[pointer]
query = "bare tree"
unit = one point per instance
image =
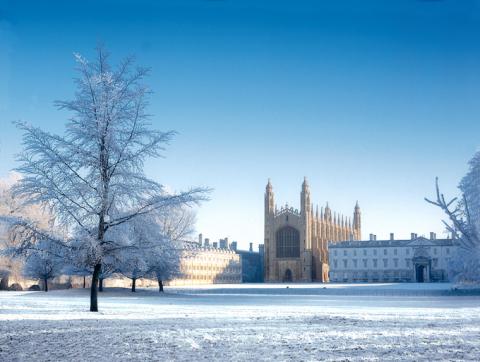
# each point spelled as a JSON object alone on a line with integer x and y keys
{"x": 92, "y": 176}
{"x": 464, "y": 223}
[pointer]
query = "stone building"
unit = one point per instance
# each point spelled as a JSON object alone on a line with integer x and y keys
{"x": 416, "y": 260}
{"x": 296, "y": 242}
{"x": 252, "y": 263}
{"x": 203, "y": 264}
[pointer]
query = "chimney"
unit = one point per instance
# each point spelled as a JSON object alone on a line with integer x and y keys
{"x": 392, "y": 236}
{"x": 227, "y": 244}
{"x": 200, "y": 239}
{"x": 223, "y": 244}
{"x": 207, "y": 242}
{"x": 251, "y": 247}
{"x": 233, "y": 246}
{"x": 433, "y": 236}
{"x": 371, "y": 237}
{"x": 413, "y": 236}
{"x": 375, "y": 237}
{"x": 215, "y": 244}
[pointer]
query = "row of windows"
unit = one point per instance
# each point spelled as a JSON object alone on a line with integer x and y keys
{"x": 195, "y": 269}
{"x": 382, "y": 276}
{"x": 372, "y": 275}
{"x": 209, "y": 260}
{"x": 211, "y": 278}
{"x": 375, "y": 263}
{"x": 385, "y": 252}
{"x": 208, "y": 266}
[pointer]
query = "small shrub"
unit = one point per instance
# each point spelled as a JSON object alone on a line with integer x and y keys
{"x": 15, "y": 287}
{"x": 35, "y": 288}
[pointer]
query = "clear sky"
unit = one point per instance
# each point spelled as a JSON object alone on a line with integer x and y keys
{"x": 368, "y": 99}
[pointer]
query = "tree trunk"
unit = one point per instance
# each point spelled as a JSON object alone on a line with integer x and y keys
{"x": 84, "y": 281}
{"x": 160, "y": 285}
{"x": 4, "y": 282}
{"x": 93, "y": 288}
{"x": 45, "y": 286}
{"x": 97, "y": 282}
{"x": 133, "y": 285}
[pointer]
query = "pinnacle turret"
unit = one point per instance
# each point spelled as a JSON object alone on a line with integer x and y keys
{"x": 305, "y": 181}
{"x": 269, "y": 199}
{"x": 269, "y": 185}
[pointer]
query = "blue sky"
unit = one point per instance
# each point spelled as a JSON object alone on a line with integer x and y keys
{"x": 368, "y": 99}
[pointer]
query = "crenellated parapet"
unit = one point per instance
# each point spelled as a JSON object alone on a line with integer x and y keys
{"x": 286, "y": 209}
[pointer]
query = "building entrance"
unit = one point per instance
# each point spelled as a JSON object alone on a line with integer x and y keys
{"x": 419, "y": 273}
{"x": 288, "y": 276}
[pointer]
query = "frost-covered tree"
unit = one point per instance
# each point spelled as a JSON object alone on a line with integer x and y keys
{"x": 134, "y": 266}
{"x": 109, "y": 269}
{"x": 42, "y": 251}
{"x": 176, "y": 224}
{"x": 470, "y": 187}
{"x": 73, "y": 270}
{"x": 164, "y": 261}
{"x": 11, "y": 208}
{"x": 45, "y": 262}
{"x": 92, "y": 176}
{"x": 145, "y": 233}
{"x": 464, "y": 223}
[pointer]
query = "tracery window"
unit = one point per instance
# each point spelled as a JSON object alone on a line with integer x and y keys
{"x": 288, "y": 242}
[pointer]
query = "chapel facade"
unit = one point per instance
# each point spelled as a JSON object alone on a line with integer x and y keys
{"x": 296, "y": 241}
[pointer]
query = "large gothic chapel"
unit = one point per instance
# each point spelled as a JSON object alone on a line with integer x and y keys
{"x": 296, "y": 242}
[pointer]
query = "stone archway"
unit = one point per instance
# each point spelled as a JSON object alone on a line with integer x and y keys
{"x": 288, "y": 276}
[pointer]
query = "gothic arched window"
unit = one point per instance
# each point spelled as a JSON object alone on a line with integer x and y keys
{"x": 288, "y": 242}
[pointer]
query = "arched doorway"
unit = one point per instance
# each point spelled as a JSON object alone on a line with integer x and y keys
{"x": 288, "y": 276}
{"x": 419, "y": 273}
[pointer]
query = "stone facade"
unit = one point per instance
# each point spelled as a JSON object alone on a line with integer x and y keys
{"x": 208, "y": 265}
{"x": 416, "y": 260}
{"x": 252, "y": 264}
{"x": 296, "y": 242}
{"x": 198, "y": 265}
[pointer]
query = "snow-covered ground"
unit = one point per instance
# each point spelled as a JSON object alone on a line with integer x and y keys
{"x": 243, "y": 322}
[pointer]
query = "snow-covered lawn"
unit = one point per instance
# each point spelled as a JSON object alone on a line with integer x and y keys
{"x": 243, "y": 322}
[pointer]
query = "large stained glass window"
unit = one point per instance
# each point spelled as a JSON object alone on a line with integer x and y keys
{"x": 288, "y": 242}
